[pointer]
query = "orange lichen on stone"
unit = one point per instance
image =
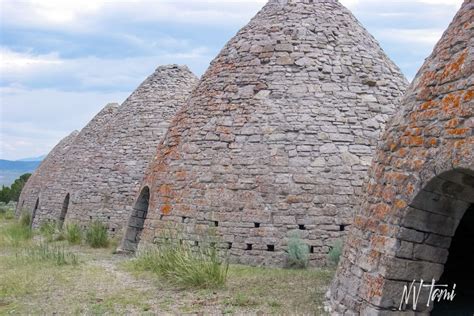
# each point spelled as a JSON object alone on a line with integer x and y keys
{"x": 400, "y": 204}
{"x": 395, "y": 177}
{"x": 450, "y": 101}
{"x": 166, "y": 209}
{"x": 381, "y": 210}
{"x": 165, "y": 190}
{"x": 469, "y": 95}
{"x": 409, "y": 189}
{"x": 452, "y": 123}
{"x": 429, "y": 104}
{"x": 412, "y": 141}
{"x": 458, "y": 131}
{"x": 454, "y": 67}
{"x": 431, "y": 142}
{"x": 374, "y": 285}
{"x": 426, "y": 78}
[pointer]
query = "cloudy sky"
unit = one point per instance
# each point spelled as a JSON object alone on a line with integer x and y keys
{"x": 61, "y": 61}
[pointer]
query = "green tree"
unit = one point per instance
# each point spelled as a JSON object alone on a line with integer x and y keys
{"x": 12, "y": 193}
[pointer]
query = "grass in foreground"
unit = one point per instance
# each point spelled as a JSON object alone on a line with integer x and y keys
{"x": 184, "y": 265}
{"x": 103, "y": 283}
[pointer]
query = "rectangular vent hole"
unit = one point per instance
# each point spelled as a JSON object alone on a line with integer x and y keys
{"x": 256, "y": 225}
{"x": 249, "y": 247}
{"x": 301, "y": 227}
{"x": 270, "y": 247}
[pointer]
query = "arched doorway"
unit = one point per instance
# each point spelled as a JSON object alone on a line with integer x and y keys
{"x": 33, "y": 214}
{"x": 136, "y": 221}
{"x": 458, "y": 270}
{"x": 64, "y": 209}
{"x": 437, "y": 242}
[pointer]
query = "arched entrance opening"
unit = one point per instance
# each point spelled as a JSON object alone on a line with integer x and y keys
{"x": 459, "y": 270}
{"x": 136, "y": 221}
{"x": 437, "y": 242}
{"x": 33, "y": 214}
{"x": 64, "y": 209}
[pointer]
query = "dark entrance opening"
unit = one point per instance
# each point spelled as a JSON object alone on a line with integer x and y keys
{"x": 136, "y": 222}
{"x": 33, "y": 214}
{"x": 459, "y": 270}
{"x": 62, "y": 216}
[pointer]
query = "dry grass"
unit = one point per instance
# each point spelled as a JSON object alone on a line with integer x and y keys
{"x": 103, "y": 283}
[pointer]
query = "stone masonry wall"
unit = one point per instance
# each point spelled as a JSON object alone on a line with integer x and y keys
{"x": 420, "y": 185}
{"x": 47, "y": 170}
{"x": 278, "y": 135}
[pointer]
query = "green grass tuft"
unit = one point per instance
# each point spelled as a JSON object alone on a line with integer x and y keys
{"x": 48, "y": 229}
{"x": 44, "y": 252}
{"x": 97, "y": 236}
{"x": 185, "y": 265}
{"x": 73, "y": 234}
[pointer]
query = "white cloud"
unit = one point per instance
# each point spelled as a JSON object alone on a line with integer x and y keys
{"x": 92, "y": 72}
{"x": 15, "y": 63}
{"x": 33, "y": 121}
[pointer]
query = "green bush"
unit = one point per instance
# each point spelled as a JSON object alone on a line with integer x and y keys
{"x": 334, "y": 254}
{"x": 97, "y": 236}
{"x": 297, "y": 253}
{"x": 185, "y": 265}
{"x": 73, "y": 234}
{"x": 47, "y": 253}
{"x": 6, "y": 212}
{"x": 48, "y": 229}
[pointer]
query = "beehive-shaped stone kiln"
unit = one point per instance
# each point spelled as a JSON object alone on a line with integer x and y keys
{"x": 276, "y": 138}
{"x": 416, "y": 219}
{"x": 102, "y": 170}
{"x": 30, "y": 195}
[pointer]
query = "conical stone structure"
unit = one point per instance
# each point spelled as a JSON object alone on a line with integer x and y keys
{"x": 30, "y": 198}
{"x": 276, "y": 138}
{"x": 415, "y": 220}
{"x": 55, "y": 189}
{"x": 103, "y": 169}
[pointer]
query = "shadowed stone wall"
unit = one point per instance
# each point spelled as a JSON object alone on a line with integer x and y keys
{"x": 278, "y": 135}
{"x": 420, "y": 185}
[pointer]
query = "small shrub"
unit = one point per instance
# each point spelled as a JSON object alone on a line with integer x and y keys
{"x": 73, "y": 234}
{"x": 182, "y": 264}
{"x": 334, "y": 254}
{"x": 25, "y": 219}
{"x": 97, "y": 236}
{"x": 297, "y": 253}
{"x": 47, "y": 253}
{"x": 7, "y": 213}
{"x": 48, "y": 230}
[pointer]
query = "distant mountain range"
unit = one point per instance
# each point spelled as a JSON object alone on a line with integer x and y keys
{"x": 11, "y": 170}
